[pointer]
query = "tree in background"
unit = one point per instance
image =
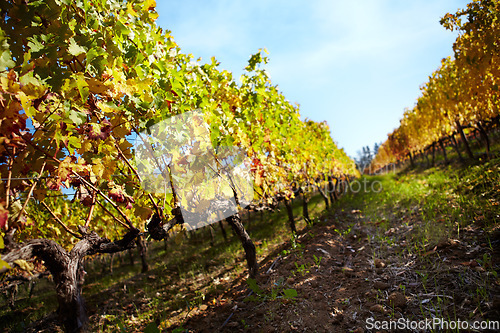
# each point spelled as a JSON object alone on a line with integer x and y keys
{"x": 365, "y": 157}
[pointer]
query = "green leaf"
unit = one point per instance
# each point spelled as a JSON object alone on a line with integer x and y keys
{"x": 6, "y": 60}
{"x": 290, "y": 293}
{"x": 152, "y": 328}
{"x": 4, "y": 264}
{"x": 15, "y": 209}
{"x": 91, "y": 54}
{"x": 35, "y": 45}
{"x": 252, "y": 284}
{"x": 75, "y": 49}
{"x": 76, "y": 117}
{"x": 5, "y": 57}
{"x": 83, "y": 87}
{"x": 179, "y": 330}
{"x": 73, "y": 142}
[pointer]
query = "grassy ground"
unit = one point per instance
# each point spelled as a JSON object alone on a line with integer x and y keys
{"x": 430, "y": 236}
{"x": 425, "y": 246}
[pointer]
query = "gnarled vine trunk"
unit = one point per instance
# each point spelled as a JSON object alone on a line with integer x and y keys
{"x": 484, "y": 135}
{"x": 224, "y": 234}
{"x": 464, "y": 140}
{"x": 433, "y": 153}
{"x": 143, "y": 251}
{"x": 332, "y": 189}
{"x": 235, "y": 222}
{"x": 457, "y": 148}
{"x": 67, "y": 270}
{"x": 289, "y": 211}
{"x": 323, "y": 195}
{"x": 305, "y": 209}
{"x": 443, "y": 149}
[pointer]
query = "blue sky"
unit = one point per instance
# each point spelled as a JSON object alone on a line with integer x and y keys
{"x": 356, "y": 64}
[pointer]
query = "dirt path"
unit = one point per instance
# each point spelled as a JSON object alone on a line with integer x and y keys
{"x": 344, "y": 278}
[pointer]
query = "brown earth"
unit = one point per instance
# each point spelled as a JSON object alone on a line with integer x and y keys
{"x": 357, "y": 278}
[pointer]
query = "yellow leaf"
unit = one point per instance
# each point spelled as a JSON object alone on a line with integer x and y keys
{"x": 33, "y": 88}
{"x": 142, "y": 212}
{"x": 125, "y": 148}
{"x": 96, "y": 86}
{"x": 98, "y": 168}
{"x": 178, "y": 238}
{"x": 4, "y": 264}
{"x": 25, "y": 101}
{"x": 85, "y": 147}
{"x": 24, "y": 265}
{"x": 107, "y": 109}
{"x": 150, "y": 4}
{"x": 184, "y": 202}
{"x": 109, "y": 166}
{"x": 258, "y": 180}
{"x": 130, "y": 9}
{"x": 121, "y": 131}
{"x": 179, "y": 234}
{"x": 40, "y": 194}
{"x": 177, "y": 228}
{"x": 9, "y": 85}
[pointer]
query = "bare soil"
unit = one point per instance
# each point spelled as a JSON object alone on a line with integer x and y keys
{"x": 359, "y": 278}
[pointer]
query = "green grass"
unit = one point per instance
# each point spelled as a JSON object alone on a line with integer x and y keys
{"x": 444, "y": 199}
{"x": 419, "y": 211}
